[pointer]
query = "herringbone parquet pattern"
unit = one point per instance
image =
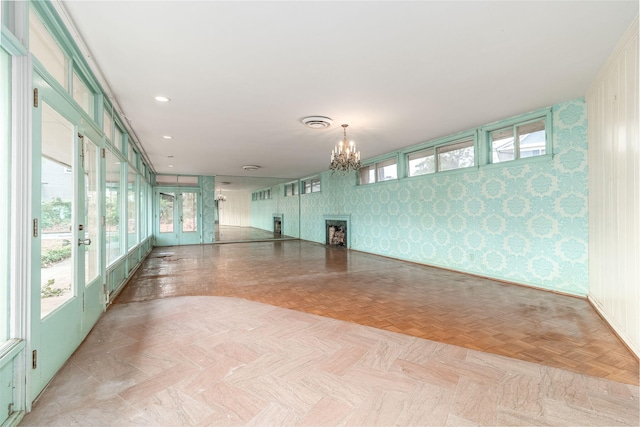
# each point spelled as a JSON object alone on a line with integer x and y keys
{"x": 431, "y": 303}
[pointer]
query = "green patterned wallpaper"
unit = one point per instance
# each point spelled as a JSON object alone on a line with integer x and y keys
{"x": 524, "y": 222}
{"x": 208, "y": 208}
{"x": 262, "y": 212}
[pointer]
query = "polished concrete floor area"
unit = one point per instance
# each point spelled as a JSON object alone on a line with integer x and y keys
{"x": 296, "y": 333}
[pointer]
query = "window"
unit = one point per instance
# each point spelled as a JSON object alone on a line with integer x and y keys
{"x": 107, "y": 123}
{"x": 112, "y": 206}
{"x": 132, "y": 235}
{"x": 385, "y": 170}
{"x": 422, "y": 162}
{"x": 456, "y": 155}
{"x": 5, "y": 138}
{"x": 133, "y": 155}
{"x": 291, "y": 189}
{"x": 518, "y": 141}
{"x": 311, "y": 185}
{"x": 118, "y": 139}
{"x": 44, "y": 47}
{"x": 82, "y": 94}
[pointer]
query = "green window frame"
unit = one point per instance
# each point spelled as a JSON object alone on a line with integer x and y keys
{"x": 380, "y": 171}
{"x": 520, "y": 138}
{"x": 311, "y": 185}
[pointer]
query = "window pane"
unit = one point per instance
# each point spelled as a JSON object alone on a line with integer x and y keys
{"x": 189, "y": 212}
{"x": 367, "y": 175}
{"x": 133, "y": 156}
{"x": 118, "y": 138}
{"x": 307, "y": 187}
{"x": 187, "y": 180}
{"x": 132, "y": 237}
{"x": 502, "y": 145}
{"x": 142, "y": 209}
{"x": 315, "y": 185}
{"x": 48, "y": 52}
{"x": 107, "y": 123}
{"x": 532, "y": 138}
{"x": 167, "y": 179}
{"x": 167, "y": 202}
{"x": 455, "y": 156}
{"x": 387, "y": 170}
{"x": 92, "y": 214}
{"x": 422, "y": 162}
{"x": 5, "y": 137}
{"x": 82, "y": 95}
{"x": 56, "y": 211}
{"x": 112, "y": 207}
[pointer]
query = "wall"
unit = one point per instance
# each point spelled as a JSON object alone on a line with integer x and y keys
{"x": 236, "y": 210}
{"x": 262, "y": 212}
{"x": 614, "y": 191}
{"x": 525, "y": 222}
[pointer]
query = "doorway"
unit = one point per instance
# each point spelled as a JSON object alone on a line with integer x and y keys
{"x": 179, "y": 221}
{"x": 66, "y": 285}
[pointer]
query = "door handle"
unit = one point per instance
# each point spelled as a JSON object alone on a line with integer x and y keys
{"x": 180, "y": 218}
{"x": 84, "y": 242}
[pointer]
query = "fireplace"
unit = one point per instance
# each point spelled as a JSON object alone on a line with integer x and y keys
{"x": 277, "y": 225}
{"x": 337, "y": 230}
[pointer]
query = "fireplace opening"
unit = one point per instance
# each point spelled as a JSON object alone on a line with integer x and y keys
{"x": 336, "y": 232}
{"x": 277, "y": 225}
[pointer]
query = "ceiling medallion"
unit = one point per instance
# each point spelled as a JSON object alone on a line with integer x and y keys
{"x": 345, "y": 156}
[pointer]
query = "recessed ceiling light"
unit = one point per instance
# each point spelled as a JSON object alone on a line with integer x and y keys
{"x": 225, "y": 183}
{"x": 251, "y": 167}
{"x": 161, "y": 98}
{"x": 170, "y": 166}
{"x": 167, "y": 136}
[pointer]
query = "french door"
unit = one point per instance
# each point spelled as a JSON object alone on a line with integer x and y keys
{"x": 66, "y": 285}
{"x": 178, "y": 218}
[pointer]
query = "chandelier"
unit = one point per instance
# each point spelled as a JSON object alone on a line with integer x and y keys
{"x": 345, "y": 156}
{"x": 220, "y": 198}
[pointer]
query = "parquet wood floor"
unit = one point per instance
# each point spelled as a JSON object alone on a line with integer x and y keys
{"x": 439, "y": 305}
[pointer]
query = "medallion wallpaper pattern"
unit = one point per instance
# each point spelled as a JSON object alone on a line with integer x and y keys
{"x": 524, "y": 222}
{"x": 207, "y": 184}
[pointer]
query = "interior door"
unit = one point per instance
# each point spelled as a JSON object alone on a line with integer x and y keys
{"x": 64, "y": 242}
{"x": 178, "y": 216}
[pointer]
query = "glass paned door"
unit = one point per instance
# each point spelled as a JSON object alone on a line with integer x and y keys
{"x": 178, "y": 217}
{"x": 189, "y": 218}
{"x": 57, "y": 205}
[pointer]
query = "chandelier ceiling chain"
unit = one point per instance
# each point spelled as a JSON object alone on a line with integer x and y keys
{"x": 345, "y": 156}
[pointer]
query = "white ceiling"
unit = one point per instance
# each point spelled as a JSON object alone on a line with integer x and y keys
{"x": 241, "y": 75}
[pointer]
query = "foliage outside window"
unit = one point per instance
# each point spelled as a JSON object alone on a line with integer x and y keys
{"x": 112, "y": 207}
{"x": 311, "y": 185}
{"x": 378, "y": 172}
{"x": 456, "y": 155}
{"x": 422, "y": 162}
{"x": 132, "y": 235}
{"x": 518, "y": 141}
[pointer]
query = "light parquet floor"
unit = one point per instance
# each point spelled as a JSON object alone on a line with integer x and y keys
{"x": 435, "y": 304}
{"x": 219, "y": 361}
